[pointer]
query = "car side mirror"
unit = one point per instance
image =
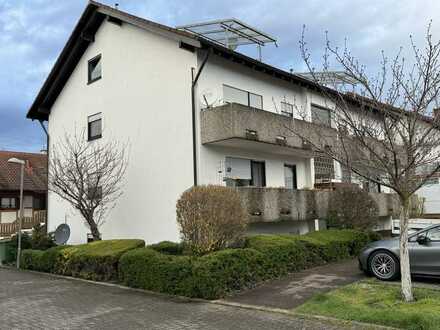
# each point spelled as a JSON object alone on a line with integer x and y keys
{"x": 422, "y": 240}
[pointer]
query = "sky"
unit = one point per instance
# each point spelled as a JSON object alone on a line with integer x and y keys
{"x": 33, "y": 33}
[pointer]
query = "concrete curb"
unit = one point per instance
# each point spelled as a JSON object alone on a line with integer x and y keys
{"x": 302, "y": 316}
{"x": 182, "y": 299}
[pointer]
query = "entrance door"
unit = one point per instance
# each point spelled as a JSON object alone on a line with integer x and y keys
{"x": 290, "y": 177}
{"x": 258, "y": 174}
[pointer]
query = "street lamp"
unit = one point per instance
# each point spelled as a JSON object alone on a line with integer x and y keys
{"x": 21, "y": 163}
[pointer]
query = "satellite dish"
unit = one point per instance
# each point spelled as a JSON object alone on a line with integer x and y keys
{"x": 62, "y": 234}
{"x": 208, "y": 97}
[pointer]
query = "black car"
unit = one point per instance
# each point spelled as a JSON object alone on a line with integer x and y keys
{"x": 381, "y": 258}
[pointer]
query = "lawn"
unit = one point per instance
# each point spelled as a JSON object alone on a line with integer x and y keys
{"x": 378, "y": 303}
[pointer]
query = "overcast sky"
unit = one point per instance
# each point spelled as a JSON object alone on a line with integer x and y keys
{"x": 33, "y": 32}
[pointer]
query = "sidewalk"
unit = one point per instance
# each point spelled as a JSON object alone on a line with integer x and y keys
{"x": 295, "y": 289}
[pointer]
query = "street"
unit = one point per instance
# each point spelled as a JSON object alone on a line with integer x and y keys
{"x": 39, "y": 301}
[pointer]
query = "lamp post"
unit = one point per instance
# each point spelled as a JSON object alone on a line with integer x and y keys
{"x": 21, "y": 163}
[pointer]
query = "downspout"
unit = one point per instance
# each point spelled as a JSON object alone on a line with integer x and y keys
{"x": 47, "y": 174}
{"x": 193, "y": 104}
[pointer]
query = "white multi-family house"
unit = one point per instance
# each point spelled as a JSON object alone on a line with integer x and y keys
{"x": 194, "y": 111}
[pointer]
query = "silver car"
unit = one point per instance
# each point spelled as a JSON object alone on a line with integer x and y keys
{"x": 381, "y": 258}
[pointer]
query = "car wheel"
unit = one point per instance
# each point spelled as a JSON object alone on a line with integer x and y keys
{"x": 384, "y": 265}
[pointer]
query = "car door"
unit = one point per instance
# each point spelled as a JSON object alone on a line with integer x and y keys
{"x": 425, "y": 257}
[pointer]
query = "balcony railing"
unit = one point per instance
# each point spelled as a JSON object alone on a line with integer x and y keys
{"x": 280, "y": 204}
{"x": 242, "y": 123}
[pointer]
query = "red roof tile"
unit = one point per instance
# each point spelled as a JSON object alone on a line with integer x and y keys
{"x": 35, "y": 171}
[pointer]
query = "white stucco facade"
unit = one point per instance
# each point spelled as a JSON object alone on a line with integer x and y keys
{"x": 144, "y": 98}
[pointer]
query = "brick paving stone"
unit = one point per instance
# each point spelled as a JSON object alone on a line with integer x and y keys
{"x": 40, "y": 301}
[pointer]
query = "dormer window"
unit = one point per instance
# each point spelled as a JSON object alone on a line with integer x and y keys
{"x": 94, "y": 72}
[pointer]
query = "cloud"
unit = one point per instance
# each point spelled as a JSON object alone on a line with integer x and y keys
{"x": 32, "y": 33}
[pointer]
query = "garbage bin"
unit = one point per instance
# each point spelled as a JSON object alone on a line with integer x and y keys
{"x": 5, "y": 250}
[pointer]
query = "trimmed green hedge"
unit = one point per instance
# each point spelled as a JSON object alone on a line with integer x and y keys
{"x": 151, "y": 270}
{"x": 164, "y": 268}
{"x": 95, "y": 261}
{"x": 216, "y": 274}
{"x": 168, "y": 247}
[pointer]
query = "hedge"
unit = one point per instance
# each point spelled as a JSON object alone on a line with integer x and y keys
{"x": 168, "y": 247}
{"x": 151, "y": 270}
{"x": 216, "y": 274}
{"x": 164, "y": 268}
{"x": 96, "y": 261}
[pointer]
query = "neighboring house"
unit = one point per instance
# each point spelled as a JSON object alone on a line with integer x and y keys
{"x": 193, "y": 111}
{"x": 34, "y": 185}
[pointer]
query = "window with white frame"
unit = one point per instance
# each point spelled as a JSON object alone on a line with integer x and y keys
{"x": 94, "y": 126}
{"x": 236, "y": 95}
{"x": 94, "y": 69}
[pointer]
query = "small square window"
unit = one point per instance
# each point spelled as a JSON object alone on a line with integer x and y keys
{"x": 94, "y": 72}
{"x": 94, "y": 127}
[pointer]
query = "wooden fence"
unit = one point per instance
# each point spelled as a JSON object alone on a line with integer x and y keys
{"x": 8, "y": 229}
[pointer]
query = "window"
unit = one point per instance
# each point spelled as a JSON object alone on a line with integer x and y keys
{"x": 321, "y": 115}
{"x": 434, "y": 234}
{"x": 235, "y": 95}
{"x": 8, "y": 203}
{"x": 290, "y": 176}
{"x": 94, "y": 127}
{"x": 287, "y": 109}
{"x": 94, "y": 71}
{"x": 244, "y": 172}
{"x": 258, "y": 174}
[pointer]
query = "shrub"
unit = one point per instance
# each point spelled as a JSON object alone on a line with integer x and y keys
{"x": 148, "y": 269}
{"x": 168, "y": 247}
{"x": 210, "y": 218}
{"x": 284, "y": 253}
{"x": 13, "y": 244}
{"x": 40, "y": 240}
{"x": 352, "y": 208}
{"x": 333, "y": 245}
{"x": 220, "y": 272}
{"x": 96, "y": 261}
{"x": 31, "y": 259}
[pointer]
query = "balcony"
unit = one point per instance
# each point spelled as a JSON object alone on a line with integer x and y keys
{"x": 280, "y": 204}
{"x": 236, "y": 125}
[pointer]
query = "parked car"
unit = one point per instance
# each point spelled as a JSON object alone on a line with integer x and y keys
{"x": 381, "y": 258}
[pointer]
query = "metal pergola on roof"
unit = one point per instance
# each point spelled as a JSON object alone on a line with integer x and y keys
{"x": 230, "y": 33}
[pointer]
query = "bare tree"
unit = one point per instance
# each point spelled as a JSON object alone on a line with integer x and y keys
{"x": 384, "y": 128}
{"x": 88, "y": 175}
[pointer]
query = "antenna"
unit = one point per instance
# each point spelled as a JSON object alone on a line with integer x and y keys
{"x": 62, "y": 234}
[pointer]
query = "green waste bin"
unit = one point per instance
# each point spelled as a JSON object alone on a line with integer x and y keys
{"x": 5, "y": 251}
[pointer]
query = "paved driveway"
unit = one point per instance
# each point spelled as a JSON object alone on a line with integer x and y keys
{"x": 293, "y": 290}
{"x": 40, "y": 301}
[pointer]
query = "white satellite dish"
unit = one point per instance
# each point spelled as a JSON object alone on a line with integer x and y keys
{"x": 208, "y": 98}
{"x": 62, "y": 234}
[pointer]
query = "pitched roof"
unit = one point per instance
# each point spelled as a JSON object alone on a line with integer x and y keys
{"x": 35, "y": 172}
{"x": 84, "y": 32}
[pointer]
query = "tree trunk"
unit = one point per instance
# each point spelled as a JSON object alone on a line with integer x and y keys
{"x": 94, "y": 230}
{"x": 407, "y": 293}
